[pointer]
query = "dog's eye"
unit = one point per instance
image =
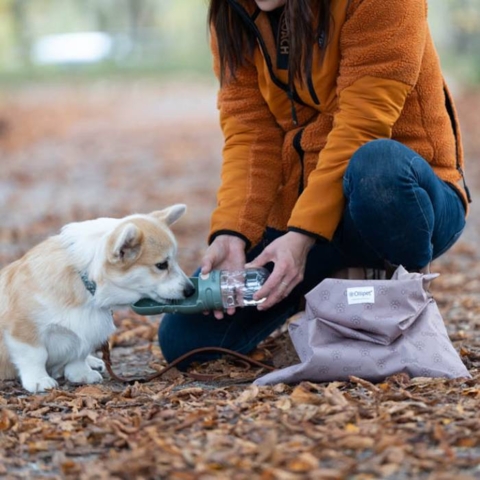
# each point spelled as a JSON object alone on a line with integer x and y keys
{"x": 162, "y": 265}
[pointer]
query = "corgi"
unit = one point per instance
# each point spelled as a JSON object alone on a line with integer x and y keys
{"x": 56, "y": 301}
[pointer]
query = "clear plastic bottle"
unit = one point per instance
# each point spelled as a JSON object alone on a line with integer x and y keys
{"x": 239, "y": 287}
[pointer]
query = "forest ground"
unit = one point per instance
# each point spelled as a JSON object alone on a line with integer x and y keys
{"x": 79, "y": 151}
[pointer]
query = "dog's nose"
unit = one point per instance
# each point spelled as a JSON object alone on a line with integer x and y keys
{"x": 189, "y": 290}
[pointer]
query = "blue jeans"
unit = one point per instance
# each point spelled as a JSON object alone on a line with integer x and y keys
{"x": 397, "y": 211}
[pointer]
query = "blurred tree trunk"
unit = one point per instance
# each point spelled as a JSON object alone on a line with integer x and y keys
{"x": 134, "y": 18}
{"x": 141, "y": 16}
{"x": 101, "y": 17}
{"x": 21, "y": 27}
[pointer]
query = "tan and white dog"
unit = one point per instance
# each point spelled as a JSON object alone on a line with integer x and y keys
{"x": 56, "y": 301}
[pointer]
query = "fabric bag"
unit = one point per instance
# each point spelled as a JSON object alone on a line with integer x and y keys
{"x": 370, "y": 329}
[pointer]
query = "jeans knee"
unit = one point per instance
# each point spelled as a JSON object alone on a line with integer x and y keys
{"x": 377, "y": 168}
{"x": 377, "y": 157}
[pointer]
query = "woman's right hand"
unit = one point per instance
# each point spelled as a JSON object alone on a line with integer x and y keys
{"x": 226, "y": 252}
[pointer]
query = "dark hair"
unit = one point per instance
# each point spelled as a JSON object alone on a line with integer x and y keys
{"x": 307, "y": 21}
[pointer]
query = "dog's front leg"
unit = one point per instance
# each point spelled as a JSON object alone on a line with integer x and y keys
{"x": 30, "y": 362}
{"x": 79, "y": 371}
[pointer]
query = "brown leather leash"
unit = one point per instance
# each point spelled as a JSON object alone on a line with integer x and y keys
{"x": 197, "y": 376}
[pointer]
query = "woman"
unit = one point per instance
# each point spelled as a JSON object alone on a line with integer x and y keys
{"x": 342, "y": 148}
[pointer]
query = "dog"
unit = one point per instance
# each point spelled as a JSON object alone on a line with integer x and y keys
{"x": 56, "y": 301}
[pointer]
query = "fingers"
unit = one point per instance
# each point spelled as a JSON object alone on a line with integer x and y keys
{"x": 219, "y": 314}
{"x": 225, "y": 253}
{"x": 206, "y": 266}
{"x": 209, "y": 259}
{"x": 212, "y": 257}
{"x": 278, "y": 285}
{"x": 289, "y": 266}
{"x": 275, "y": 290}
{"x": 288, "y": 254}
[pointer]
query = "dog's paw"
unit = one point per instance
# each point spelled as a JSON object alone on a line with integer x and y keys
{"x": 90, "y": 377}
{"x": 38, "y": 385}
{"x": 80, "y": 372}
{"x": 96, "y": 363}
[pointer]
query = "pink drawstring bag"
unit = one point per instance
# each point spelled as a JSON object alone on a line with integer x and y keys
{"x": 370, "y": 329}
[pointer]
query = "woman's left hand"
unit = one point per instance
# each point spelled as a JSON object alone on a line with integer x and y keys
{"x": 289, "y": 254}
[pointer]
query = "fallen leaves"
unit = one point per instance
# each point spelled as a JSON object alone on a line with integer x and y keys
{"x": 182, "y": 429}
{"x": 301, "y": 394}
{"x": 7, "y": 419}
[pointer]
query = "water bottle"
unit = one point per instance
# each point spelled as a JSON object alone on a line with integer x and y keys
{"x": 238, "y": 287}
{"x": 216, "y": 290}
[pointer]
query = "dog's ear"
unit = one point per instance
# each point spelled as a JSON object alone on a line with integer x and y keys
{"x": 171, "y": 214}
{"x": 126, "y": 244}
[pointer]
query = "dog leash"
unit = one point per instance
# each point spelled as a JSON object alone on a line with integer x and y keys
{"x": 197, "y": 376}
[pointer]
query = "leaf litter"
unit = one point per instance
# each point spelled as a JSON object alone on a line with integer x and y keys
{"x": 110, "y": 150}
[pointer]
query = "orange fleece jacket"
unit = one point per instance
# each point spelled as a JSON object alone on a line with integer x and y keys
{"x": 380, "y": 78}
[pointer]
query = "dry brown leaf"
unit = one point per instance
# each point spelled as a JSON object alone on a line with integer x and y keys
{"x": 389, "y": 469}
{"x": 334, "y": 396}
{"x": 356, "y": 442}
{"x": 91, "y": 391}
{"x": 7, "y": 419}
{"x": 304, "y": 463}
{"x": 249, "y": 394}
{"x": 301, "y": 394}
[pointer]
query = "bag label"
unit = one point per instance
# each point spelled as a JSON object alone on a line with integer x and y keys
{"x": 360, "y": 295}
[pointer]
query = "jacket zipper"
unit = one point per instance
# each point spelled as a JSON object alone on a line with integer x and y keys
{"x": 297, "y": 145}
{"x": 291, "y": 93}
{"x": 293, "y": 109}
{"x": 312, "y": 91}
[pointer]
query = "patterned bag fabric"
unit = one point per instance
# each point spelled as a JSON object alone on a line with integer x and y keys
{"x": 370, "y": 329}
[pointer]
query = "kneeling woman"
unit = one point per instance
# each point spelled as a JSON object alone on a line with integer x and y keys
{"x": 342, "y": 149}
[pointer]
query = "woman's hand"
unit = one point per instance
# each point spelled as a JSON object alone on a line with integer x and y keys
{"x": 289, "y": 254}
{"x": 226, "y": 252}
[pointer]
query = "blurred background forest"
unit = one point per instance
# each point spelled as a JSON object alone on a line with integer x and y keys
{"x": 100, "y": 96}
{"x": 58, "y": 36}
{"x": 46, "y": 37}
